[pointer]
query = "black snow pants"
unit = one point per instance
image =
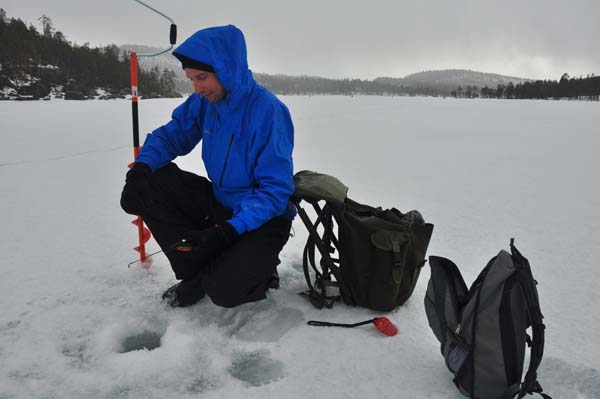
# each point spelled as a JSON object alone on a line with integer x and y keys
{"x": 183, "y": 201}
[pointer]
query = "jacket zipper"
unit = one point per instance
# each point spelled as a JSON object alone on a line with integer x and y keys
{"x": 226, "y": 158}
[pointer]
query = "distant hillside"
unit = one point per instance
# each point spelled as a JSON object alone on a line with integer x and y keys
{"x": 445, "y": 81}
{"x": 162, "y": 62}
{"x": 278, "y": 83}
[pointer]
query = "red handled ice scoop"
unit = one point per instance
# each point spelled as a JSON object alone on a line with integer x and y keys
{"x": 383, "y": 324}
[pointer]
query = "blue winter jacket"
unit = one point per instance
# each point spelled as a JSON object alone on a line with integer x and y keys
{"x": 247, "y": 138}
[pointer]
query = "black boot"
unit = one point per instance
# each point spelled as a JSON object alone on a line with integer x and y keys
{"x": 185, "y": 293}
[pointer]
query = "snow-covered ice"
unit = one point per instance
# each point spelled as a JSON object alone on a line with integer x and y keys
{"x": 75, "y": 322}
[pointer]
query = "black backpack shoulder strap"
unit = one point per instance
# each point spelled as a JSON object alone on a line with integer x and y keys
{"x": 530, "y": 384}
{"x": 324, "y": 215}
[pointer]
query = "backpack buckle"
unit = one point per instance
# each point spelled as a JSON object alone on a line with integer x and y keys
{"x": 318, "y": 300}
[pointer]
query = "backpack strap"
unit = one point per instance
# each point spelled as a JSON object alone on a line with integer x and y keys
{"x": 439, "y": 272}
{"x": 530, "y": 384}
{"x": 327, "y": 263}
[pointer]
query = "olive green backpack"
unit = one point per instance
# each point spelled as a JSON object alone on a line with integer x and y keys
{"x": 374, "y": 257}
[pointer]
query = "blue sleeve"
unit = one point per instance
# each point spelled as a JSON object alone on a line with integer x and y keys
{"x": 273, "y": 173}
{"x": 178, "y": 137}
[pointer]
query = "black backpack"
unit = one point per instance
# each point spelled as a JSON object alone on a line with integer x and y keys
{"x": 483, "y": 330}
{"x": 373, "y": 259}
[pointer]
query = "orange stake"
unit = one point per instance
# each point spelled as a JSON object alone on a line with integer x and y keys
{"x": 143, "y": 233}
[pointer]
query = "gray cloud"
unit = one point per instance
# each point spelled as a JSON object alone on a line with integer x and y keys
{"x": 335, "y": 38}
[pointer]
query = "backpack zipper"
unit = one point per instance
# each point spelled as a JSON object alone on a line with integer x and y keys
{"x": 226, "y": 159}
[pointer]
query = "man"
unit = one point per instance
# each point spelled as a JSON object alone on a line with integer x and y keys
{"x": 223, "y": 236}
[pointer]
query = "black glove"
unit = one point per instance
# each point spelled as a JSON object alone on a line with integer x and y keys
{"x": 208, "y": 243}
{"x": 137, "y": 194}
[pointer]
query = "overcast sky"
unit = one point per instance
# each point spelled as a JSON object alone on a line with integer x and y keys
{"x": 356, "y": 39}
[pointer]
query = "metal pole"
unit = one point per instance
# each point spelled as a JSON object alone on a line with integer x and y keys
{"x": 172, "y": 32}
{"x": 143, "y": 232}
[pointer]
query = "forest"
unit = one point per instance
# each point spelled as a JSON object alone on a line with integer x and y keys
{"x": 568, "y": 88}
{"x": 41, "y": 65}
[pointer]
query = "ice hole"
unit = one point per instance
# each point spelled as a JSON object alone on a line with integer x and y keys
{"x": 147, "y": 340}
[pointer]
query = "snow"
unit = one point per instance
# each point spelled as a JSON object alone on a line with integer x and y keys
{"x": 481, "y": 170}
{"x": 8, "y": 91}
{"x": 56, "y": 93}
{"x": 47, "y": 66}
{"x": 25, "y": 80}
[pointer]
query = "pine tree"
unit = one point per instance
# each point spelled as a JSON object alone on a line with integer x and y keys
{"x": 47, "y": 27}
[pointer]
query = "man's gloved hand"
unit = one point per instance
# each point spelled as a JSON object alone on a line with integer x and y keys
{"x": 207, "y": 243}
{"x": 137, "y": 195}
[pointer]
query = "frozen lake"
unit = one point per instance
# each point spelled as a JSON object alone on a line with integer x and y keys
{"x": 481, "y": 171}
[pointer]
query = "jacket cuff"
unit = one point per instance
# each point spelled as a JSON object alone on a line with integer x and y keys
{"x": 142, "y": 167}
{"x": 147, "y": 161}
{"x": 239, "y": 225}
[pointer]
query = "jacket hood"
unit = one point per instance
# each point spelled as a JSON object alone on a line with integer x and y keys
{"x": 224, "y": 48}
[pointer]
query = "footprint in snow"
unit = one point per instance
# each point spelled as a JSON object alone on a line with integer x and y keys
{"x": 11, "y": 325}
{"x": 259, "y": 321}
{"x": 78, "y": 354}
{"x": 203, "y": 384}
{"x": 256, "y": 368}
